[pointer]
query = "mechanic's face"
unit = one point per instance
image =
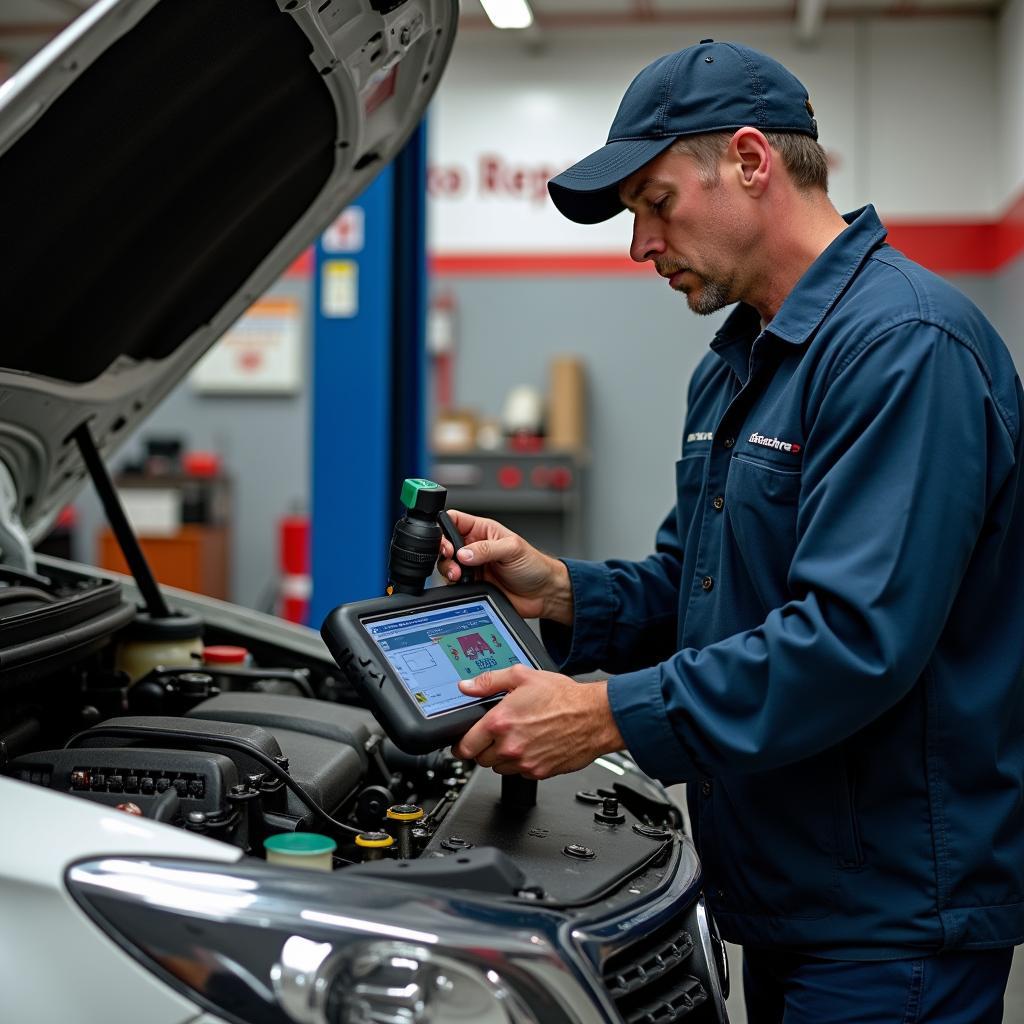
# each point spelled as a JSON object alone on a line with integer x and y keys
{"x": 691, "y": 231}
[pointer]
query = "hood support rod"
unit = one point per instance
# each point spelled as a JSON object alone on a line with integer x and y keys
{"x": 156, "y": 606}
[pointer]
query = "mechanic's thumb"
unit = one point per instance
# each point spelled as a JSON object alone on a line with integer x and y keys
{"x": 491, "y": 550}
{"x": 487, "y": 684}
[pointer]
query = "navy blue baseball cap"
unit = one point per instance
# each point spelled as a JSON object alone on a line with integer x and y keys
{"x": 711, "y": 87}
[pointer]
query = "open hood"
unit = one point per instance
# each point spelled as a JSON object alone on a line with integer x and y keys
{"x": 161, "y": 163}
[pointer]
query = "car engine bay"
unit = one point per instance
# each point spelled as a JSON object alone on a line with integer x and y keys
{"x": 240, "y": 753}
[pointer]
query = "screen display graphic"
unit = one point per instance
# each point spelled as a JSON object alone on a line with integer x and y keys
{"x": 433, "y": 650}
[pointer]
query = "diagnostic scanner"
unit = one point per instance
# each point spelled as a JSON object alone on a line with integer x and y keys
{"x": 405, "y": 654}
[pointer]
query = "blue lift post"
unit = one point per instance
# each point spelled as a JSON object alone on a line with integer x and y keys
{"x": 368, "y": 383}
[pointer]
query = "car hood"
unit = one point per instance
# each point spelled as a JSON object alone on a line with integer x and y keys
{"x": 161, "y": 163}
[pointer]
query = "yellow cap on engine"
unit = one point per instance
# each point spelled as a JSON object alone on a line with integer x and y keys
{"x": 374, "y": 840}
{"x": 405, "y": 812}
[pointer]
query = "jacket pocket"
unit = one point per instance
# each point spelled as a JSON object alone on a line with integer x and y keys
{"x": 762, "y": 501}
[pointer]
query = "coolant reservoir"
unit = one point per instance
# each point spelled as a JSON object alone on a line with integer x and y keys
{"x": 301, "y": 850}
{"x": 149, "y": 643}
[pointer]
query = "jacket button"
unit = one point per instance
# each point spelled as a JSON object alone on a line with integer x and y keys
{"x": 705, "y": 788}
{"x": 707, "y": 583}
{"x": 718, "y": 503}
{"x": 729, "y": 442}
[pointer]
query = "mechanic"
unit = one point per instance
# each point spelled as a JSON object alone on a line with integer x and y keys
{"x": 827, "y": 642}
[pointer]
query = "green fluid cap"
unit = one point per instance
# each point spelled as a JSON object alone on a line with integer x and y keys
{"x": 300, "y": 844}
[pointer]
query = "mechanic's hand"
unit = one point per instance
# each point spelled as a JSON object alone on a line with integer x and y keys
{"x": 547, "y": 724}
{"x": 536, "y": 584}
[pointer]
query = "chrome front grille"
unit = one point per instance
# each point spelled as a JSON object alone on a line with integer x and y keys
{"x": 649, "y": 981}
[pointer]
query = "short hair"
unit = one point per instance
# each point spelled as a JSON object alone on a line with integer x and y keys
{"x": 803, "y": 157}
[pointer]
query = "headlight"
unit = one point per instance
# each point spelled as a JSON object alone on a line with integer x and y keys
{"x": 274, "y": 946}
{"x": 388, "y": 983}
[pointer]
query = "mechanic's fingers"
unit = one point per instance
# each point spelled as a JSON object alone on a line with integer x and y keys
{"x": 493, "y": 550}
{"x": 445, "y": 566}
{"x": 487, "y": 684}
{"x": 464, "y": 522}
{"x": 475, "y": 742}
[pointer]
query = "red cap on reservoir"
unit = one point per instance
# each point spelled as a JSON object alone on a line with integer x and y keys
{"x": 223, "y": 654}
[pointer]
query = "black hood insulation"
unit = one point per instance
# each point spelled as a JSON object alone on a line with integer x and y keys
{"x": 221, "y": 132}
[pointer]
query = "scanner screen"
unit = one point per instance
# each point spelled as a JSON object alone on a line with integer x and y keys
{"x": 431, "y": 651}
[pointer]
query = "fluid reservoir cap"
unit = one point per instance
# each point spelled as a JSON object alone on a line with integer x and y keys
{"x": 405, "y": 812}
{"x": 374, "y": 840}
{"x": 178, "y": 627}
{"x": 300, "y": 844}
{"x": 225, "y": 654}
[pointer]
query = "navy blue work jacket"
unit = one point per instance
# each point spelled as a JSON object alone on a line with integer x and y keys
{"x": 828, "y": 642}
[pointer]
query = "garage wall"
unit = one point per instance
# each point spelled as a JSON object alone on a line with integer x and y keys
{"x": 1009, "y": 142}
{"x": 887, "y": 92}
{"x": 1009, "y": 308}
{"x": 264, "y": 443}
{"x": 505, "y": 117}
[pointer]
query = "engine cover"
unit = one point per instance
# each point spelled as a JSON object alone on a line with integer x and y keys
{"x": 561, "y": 845}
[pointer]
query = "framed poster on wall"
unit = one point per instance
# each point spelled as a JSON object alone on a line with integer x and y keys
{"x": 260, "y": 354}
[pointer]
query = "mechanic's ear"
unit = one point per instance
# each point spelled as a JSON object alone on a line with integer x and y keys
{"x": 751, "y": 158}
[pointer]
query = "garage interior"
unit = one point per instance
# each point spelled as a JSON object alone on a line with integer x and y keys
{"x": 528, "y": 388}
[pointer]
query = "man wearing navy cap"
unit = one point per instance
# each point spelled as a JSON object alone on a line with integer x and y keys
{"x": 826, "y": 643}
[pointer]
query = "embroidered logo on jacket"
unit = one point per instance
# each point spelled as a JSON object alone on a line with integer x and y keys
{"x": 773, "y": 442}
{"x": 699, "y": 435}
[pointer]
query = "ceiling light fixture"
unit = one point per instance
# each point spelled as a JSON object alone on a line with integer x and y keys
{"x": 508, "y": 13}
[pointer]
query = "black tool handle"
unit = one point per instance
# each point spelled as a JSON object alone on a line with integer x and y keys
{"x": 455, "y": 538}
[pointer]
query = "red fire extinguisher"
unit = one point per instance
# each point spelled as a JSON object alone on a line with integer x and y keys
{"x": 293, "y": 558}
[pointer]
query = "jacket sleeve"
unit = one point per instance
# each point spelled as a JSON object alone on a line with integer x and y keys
{"x": 624, "y": 612}
{"x": 900, "y": 463}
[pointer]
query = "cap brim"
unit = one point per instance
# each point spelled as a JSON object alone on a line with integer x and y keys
{"x": 588, "y": 192}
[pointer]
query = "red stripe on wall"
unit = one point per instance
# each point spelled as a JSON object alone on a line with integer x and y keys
{"x": 946, "y": 247}
{"x": 484, "y": 264}
{"x": 1010, "y": 243}
{"x": 951, "y": 247}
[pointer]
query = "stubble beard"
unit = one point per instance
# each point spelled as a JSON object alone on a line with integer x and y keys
{"x": 709, "y": 297}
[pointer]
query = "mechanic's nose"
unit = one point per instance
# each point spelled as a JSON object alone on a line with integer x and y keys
{"x": 646, "y": 244}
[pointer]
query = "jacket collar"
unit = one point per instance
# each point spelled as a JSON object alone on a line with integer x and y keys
{"x": 813, "y": 296}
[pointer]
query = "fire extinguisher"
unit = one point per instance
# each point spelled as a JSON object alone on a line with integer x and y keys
{"x": 293, "y": 558}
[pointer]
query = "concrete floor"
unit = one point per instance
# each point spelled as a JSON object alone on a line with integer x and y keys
{"x": 1013, "y": 1007}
